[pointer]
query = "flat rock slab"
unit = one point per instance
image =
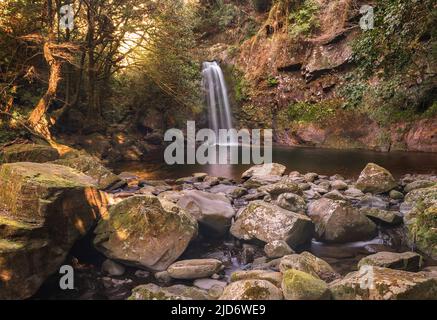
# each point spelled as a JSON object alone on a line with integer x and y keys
{"x": 194, "y": 269}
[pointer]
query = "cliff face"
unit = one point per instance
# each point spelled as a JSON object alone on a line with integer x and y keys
{"x": 309, "y": 71}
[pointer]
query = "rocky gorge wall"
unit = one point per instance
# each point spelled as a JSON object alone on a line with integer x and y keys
{"x": 297, "y": 71}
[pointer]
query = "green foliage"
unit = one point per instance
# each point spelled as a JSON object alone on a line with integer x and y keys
{"x": 353, "y": 91}
{"x": 400, "y": 27}
{"x": 272, "y": 81}
{"x": 312, "y": 112}
{"x": 304, "y": 20}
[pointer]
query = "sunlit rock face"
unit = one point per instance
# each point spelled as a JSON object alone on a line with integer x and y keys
{"x": 44, "y": 209}
{"x": 145, "y": 231}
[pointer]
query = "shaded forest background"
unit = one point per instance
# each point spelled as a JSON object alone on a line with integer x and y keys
{"x": 134, "y": 66}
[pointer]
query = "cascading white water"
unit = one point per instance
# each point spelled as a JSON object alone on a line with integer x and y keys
{"x": 216, "y": 94}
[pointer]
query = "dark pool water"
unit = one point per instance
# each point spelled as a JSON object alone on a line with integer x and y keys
{"x": 348, "y": 163}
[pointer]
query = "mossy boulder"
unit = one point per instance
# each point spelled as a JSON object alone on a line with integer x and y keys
{"x": 177, "y": 292}
{"x": 420, "y": 218}
{"x": 44, "y": 209}
{"x": 375, "y": 179}
{"x": 309, "y": 264}
{"x": 385, "y": 284}
{"x": 408, "y": 261}
{"x": 298, "y": 285}
{"x": 251, "y": 290}
{"x": 28, "y": 153}
{"x": 145, "y": 231}
{"x": 267, "y": 222}
{"x": 338, "y": 222}
{"x": 92, "y": 167}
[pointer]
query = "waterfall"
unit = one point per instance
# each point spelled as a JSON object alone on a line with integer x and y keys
{"x": 216, "y": 95}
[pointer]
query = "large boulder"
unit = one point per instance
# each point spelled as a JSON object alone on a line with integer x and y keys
{"x": 145, "y": 231}
{"x": 420, "y": 217}
{"x": 408, "y": 261}
{"x": 28, "y": 153}
{"x": 194, "y": 269}
{"x": 298, "y": 285}
{"x": 44, "y": 209}
{"x": 310, "y": 264}
{"x": 268, "y": 222}
{"x": 92, "y": 167}
{"x": 337, "y": 221}
{"x": 384, "y": 284}
{"x": 375, "y": 179}
{"x": 213, "y": 211}
{"x": 268, "y": 169}
{"x": 251, "y": 290}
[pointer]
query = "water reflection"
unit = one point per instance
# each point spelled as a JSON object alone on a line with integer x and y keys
{"x": 348, "y": 163}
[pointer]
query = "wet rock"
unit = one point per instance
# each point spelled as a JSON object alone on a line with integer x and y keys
{"x": 251, "y": 290}
{"x": 304, "y": 186}
{"x": 369, "y": 201}
{"x": 268, "y": 222}
{"x": 145, "y": 231}
{"x": 213, "y": 211}
{"x": 310, "y": 177}
{"x": 28, "y": 153}
{"x": 211, "y": 181}
{"x": 163, "y": 277}
{"x": 277, "y": 249}
{"x": 339, "y": 185}
{"x": 378, "y": 215}
{"x": 177, "y": 292}
{"x": 396, "y": 195}
{"x": 207, "y": 284}
{"x": 298, "y": 285}
{"x": 310, "y": 264}
{"x": 112, "y": 268}
{"x": 311, "y": 195}
{"x": 279, "y": 188}
{"x": 269, "y": 169}
{"x": 408, "y": 261}
{"x": 292, "y": 202}
{"x": 258, "y": 181}
{"x": 354, "y": 193}
{"x": 375, "y": 179}
{"x": 387, "y": 284}
{"x": 194, "y": 269}
{"x": 142, "y": 274}
{"x": 337, "y": 221}
{"x": 92, "y": 167}
{"x": 334, "y": 195}
{"x": 248, "y": 253}
{"x": 420, "y": 184}
{"x": 172, "y": 196}
{"x": 271, "y": 276}
{"x": 44, "y": 209}
{"x": 232, "y": 191}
